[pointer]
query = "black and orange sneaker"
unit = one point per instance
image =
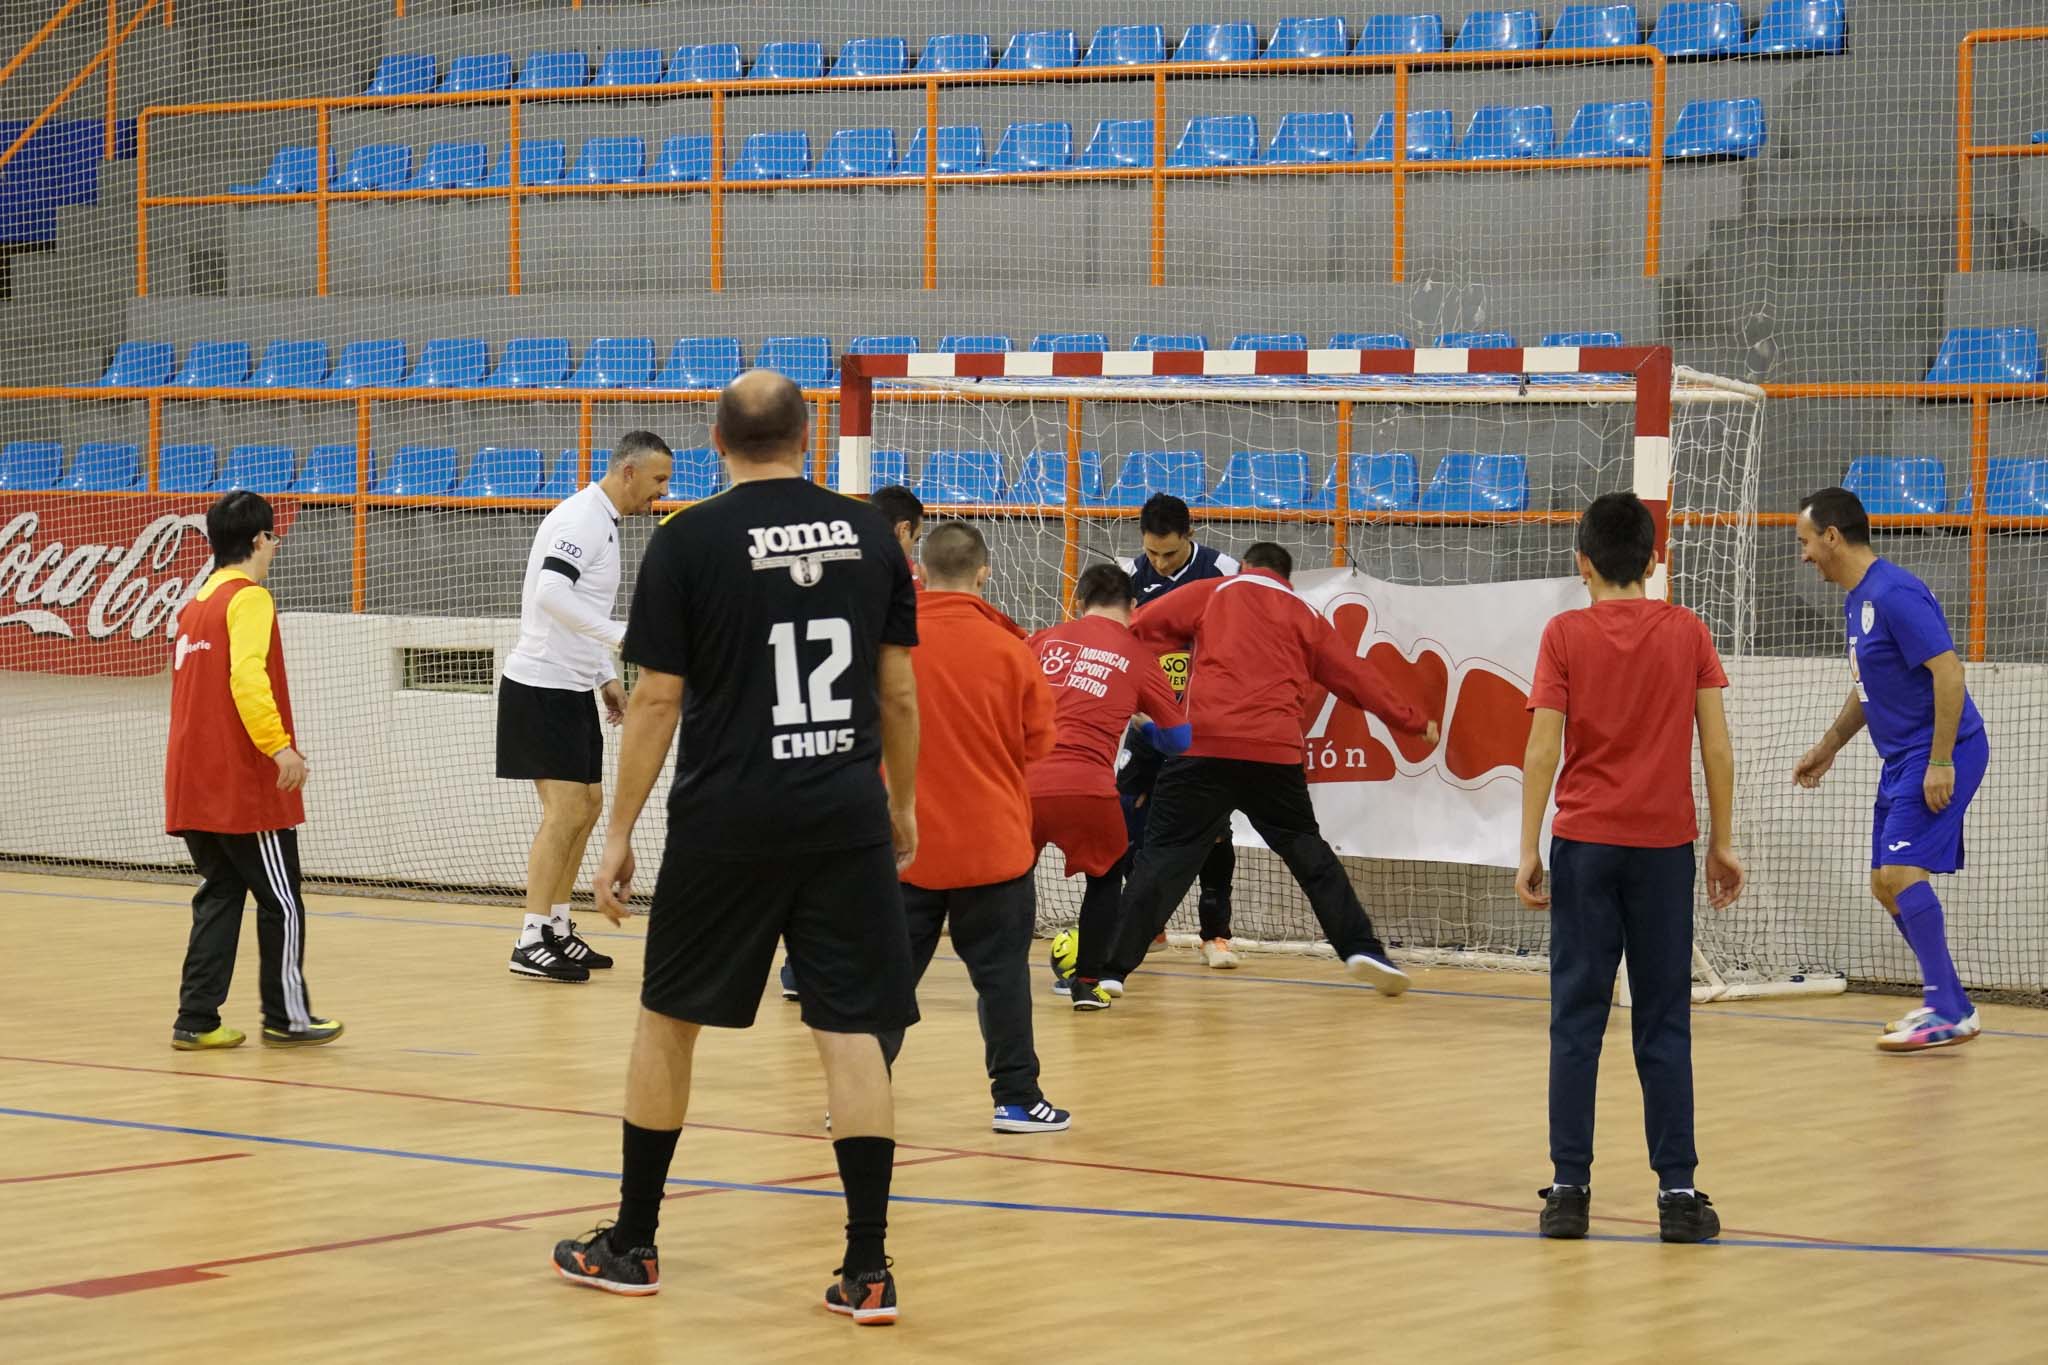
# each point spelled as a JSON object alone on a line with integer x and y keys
{"x": 869, "y": 1299}
{"x": 595, "y": 1262}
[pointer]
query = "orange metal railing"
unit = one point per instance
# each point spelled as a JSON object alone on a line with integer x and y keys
{"x": 1398, "y": 171}
{"x": 1968, "y": 152}
{"x": 108, "y": 56}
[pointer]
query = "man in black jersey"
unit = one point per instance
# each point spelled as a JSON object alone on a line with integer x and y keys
{"x": 777, "y": 619}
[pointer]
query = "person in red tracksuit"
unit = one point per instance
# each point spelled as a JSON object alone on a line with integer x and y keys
{"x": 1101, "y": 676}
{"x": 1257, "y": 649}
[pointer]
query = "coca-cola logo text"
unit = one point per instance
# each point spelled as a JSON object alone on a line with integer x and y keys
{"x": 132, "y": 588}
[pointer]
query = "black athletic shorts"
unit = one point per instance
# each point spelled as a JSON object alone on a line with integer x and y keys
{"x": 712, "y": 929}
{"x": 549, "y": 734}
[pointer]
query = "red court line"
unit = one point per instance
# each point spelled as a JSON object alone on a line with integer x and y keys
{"x": 116, "y": 1170}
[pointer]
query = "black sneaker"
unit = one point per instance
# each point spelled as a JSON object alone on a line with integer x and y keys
{"x": 1687, "y": 1217}
{"x": 870, "y": 1299}
{"x": 1566, "y": 1211}
{"x": 546, "y": 959}
{"x": 576, "y": 950}
{"x": 594, "y": 1262}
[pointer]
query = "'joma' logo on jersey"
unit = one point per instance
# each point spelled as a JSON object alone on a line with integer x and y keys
{"x": 803, "y": 538}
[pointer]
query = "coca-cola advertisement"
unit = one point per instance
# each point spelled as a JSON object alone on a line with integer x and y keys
{"x": 92, "y": 585}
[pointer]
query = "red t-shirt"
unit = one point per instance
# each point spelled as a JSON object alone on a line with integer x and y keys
{"x": 1101, "y": 675}
{"x": 1626, "y": 674}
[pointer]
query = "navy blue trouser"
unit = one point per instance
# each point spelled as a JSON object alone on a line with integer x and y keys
{"x": 1606, "y": 900}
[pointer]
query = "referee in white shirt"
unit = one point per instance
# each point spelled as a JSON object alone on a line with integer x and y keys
{"x": 548, "y": 732}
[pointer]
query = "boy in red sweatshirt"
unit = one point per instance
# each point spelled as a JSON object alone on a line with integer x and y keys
{"x": 986, "y": 715}
{"x": 1257, "y": 649}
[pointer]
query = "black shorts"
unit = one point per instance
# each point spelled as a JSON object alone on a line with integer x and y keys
{"x": 549, "y": 734}
{"x": 712, "y": 929}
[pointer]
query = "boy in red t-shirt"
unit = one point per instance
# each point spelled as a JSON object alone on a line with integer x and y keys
{"x": 1619, "y": 687}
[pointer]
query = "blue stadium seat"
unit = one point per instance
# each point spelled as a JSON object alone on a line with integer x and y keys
{"x": 773, "y": 156}
{"x": 963, "y": 343}
{"x": 260, "y": 469}
{"x": 615, "y": 363}
{"x": 542, "y": 161}
{"x": 2039, "y": 135}
{"x": 853, "y": 152}
{"x": 701, "y": 363}
{"x": 1217, "y": 140}
{"x": 1042, "y": 482}
{"x": 1218, "y": 43}
{"x": 293, "y": 170}
{"x": 1299, "y": 37}
{"x": 377, "y": 166}
{"x": 1368, "y": 341}
{"x": 1478, "y": 483}
{"x": 885, "y": 468}
{"x": 1611, "y": 128}
{"x": 1988, "y": 355}
{"x": 1799, "y": 26}
{"x": 1118, "y": 144}
{"x": 1479, "y": 341}
{"x": 1900, "y": 487}
{"x": 502, "y": 472}
{"x": 1127, "y": 45}
{"x": 214, "y": 365}
{"x": 898, "y": 343}
{"x": 1699, "y": 28}
{"x": 1183, "y": 473}
{"x": 104, "y": 467}
{"x": 1269, "y": 341}
{"x": 789, "y": 62}
{"x": 1307, "y": 138}
{"x": 532, "y": 363}
{"x": 961, "y": 476}
{"x": 1389, "y": 33}
{"x": 186, "y": 468}
{"x": 478, "y": 71}
{"x": 1033, "y": 147}
{"x": 403, "y": 73}
{"x": 1071, "y": 343}
{"x": 450, "y": 363}
{"x": 1506, "y": 133}
{"x": 956, "y": 52}
{"x": 330, "y": 470}
{"x": 961, "y": 151}
{"x": 418, "y": 472}
{"x": 699, "y": 474}
{"x": 1432, "y": 136}
{"x": 629, "y": 66}
{"x": 1044, "y": 50}
{"x": 30, "y": 465}
{"x": 2012, "y": 488}
{"x": 1263, "y": 478}
{"x": 1500, "y": 30}
{"x": 561, "y": 480}
{"x": 871, "y": 57}
{"x": 139, "y": 365}
{"x": 451, "y": 165}
{"x": 1596, "y": 26}
{"x": 1380, "y": 483}
{"x": 684, "y": 158}
{"x": 1718, "y": 128}
{"x": 291, "y": 365}
{"x": 806, "y": 359}
{"x": 609, "y": 160}
{"x": 1169, "y": 341}
{"x": 369, "y": 365}
{"x": 704, "y": 62}
{"x": 560, "y": 69}
{"x": 1582, "y": 339}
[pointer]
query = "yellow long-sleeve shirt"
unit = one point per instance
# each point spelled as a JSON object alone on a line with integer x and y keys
{"x": 252, "y": 617}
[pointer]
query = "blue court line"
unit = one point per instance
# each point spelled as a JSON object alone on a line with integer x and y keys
{"x": 1011, "y": 1206}
{"x": 1216, "y": 978}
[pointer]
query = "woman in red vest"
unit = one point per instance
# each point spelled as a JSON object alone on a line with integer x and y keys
{"x": 231, "y": 787}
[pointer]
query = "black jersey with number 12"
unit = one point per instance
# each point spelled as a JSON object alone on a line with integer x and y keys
{"x": 773, "y": 601}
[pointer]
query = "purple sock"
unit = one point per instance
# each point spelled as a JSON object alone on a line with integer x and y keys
{"x": 1920, "y": 922}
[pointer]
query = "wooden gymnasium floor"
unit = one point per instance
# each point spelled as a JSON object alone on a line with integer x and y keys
{"x": 1267, "y": 1165}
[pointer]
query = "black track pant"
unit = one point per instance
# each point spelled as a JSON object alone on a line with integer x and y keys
{"x": 991, "y": 928}
{"x": 232, "y": 867}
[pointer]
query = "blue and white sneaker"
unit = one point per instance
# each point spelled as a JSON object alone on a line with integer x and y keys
{"x": 1914, "y": 1018}
{"x": 1931, "y": 1032}
{"x": 1383, "y": 975}
{"x": 1063, "y": 985}
{"x": 788, "y": 981}
{"x": 1036, "y": 1118}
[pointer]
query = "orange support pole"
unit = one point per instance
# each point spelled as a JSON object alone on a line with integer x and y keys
{"x": 85, "y": 73}
{"x": 584, "y": 447}
{"x": 323, "y": 150}
{"x": 1966, "y": 111}
{"x": 113, "y": 61}
{"x": 931, "y": 184}
{"x": 399, "y": 11}
{"x": 359, "y": 554}
{"x": 1070, "y": 554}
{"x": 1400, "y": 177}
{"x": 28, "y": 48}
{"x": 156, "y": 439}
{"x": 718, "y": 190}
{"x": 1340, "y": 527}
{"x": 1158, "y": 185}
{"x": 170, "y": 12}
{"x": 142, "y": 205}
{"x": 1653, "y": 191}
{"x": 515, "y": 253}
{"x": 1980, "y": 534}
{"x": 823, "y": 433}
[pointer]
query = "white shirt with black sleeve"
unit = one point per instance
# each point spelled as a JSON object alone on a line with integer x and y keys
{"x": 566, "y": 631}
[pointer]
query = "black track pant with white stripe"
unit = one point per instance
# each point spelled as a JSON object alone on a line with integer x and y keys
{"x": 232, "y": 868}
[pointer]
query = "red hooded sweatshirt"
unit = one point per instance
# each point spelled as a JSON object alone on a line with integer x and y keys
{"x": 985, "y": 714}
{"x": 1258, "y": 648}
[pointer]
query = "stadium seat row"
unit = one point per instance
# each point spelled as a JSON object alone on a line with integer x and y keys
{"x": 1705, "y": 128}
{"x": 1988, "y": 355}
{"x": 628, "y": 362}
{"x": 1685, "y": 28}
{"x": 1918, "y": 486}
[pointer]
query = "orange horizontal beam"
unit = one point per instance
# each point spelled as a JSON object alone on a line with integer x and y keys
{"x": 2007, "y": 149}
{"x": 1908, "y": 389}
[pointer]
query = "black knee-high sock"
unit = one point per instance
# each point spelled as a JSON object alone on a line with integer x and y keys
{"x": 865, "y": 1165}
{"x": 648, "y": 1152}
